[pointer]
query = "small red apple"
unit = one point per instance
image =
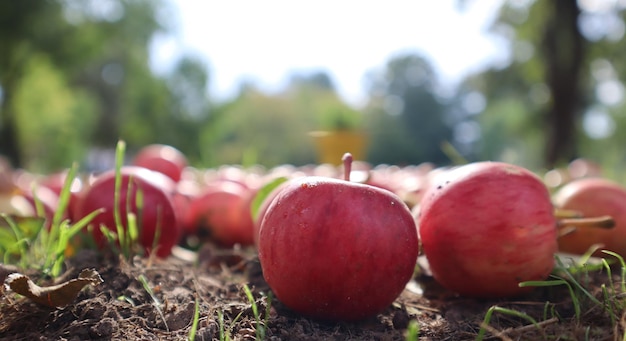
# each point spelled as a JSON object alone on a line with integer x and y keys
{"x": 336, "y": 250}
{"x": 487, "y": 226}
{"x": 222, "y": 213}
{"x": 162, "y": 158}
{"x": 594, "y": 197}
{"x": 157, "y": 221}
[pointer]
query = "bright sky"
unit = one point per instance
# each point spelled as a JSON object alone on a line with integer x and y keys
{"x": 264, "y": 41}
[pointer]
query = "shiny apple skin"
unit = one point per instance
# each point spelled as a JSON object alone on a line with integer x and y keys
{"x": 487, "y": 226}
{"x": 594, "y": 197}
{"x": 335, "y": 250}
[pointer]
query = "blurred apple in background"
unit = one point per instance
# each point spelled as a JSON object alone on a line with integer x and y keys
{"x": 162, "y": 158}
{"x": 221, "y": 213}
{"x": 594, "y": 197}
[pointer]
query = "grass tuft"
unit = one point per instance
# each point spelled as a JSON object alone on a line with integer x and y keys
{"x": 34, "y": 243}
{"x": 590, "y": 302}
{"x": 556, "y": 282}
{"x": 485, "y": 324}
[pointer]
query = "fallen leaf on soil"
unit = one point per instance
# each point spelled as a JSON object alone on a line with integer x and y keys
{"x": 56, "y": 296}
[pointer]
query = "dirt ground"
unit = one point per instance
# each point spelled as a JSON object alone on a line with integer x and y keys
{"x": 121, "y": 308}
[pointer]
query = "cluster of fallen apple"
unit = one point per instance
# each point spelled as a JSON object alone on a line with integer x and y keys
{"x": 342, "y": 246}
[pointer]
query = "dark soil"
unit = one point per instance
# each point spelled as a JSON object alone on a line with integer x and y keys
{"x": 122, "y": 309}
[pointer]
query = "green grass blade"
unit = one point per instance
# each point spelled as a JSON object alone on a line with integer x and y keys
{"x": 39, "y": 209}
{"x": 64, "y": 196}
{"x": 155, "y": 300}
{"x": 250, "y": 297}
{"x": 623, "y": 268}
{"x": 515, "y": 313}
{"x": 117, "y": 216}
{"x": 196, "y": 319}
{"x": 55, "y": 234}
{"x": 609, "y": 274}
{"x": 83, "y": 222}
{"x": 412, "y": 331}
{"x": 557, "y": 282}
{"x": 608, "y": 304}
{"x": 582, "y": 289}
{"x": 259, "y": 328}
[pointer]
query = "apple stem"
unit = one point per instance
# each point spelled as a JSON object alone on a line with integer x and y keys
{"x": 605, "y": 222}
{"x": 347, "y": 165}
{"x": 562, "y": 213}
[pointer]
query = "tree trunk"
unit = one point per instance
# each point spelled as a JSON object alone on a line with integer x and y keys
{"x": 563, "y": 49}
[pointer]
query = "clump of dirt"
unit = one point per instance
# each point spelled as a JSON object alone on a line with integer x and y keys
{"x": 152, "y": 299}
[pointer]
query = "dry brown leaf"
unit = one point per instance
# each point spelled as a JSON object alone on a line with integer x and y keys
{"x": 56, "y": 296}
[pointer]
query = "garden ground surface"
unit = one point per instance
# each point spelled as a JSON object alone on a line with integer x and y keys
{"x": 121, "y": 307}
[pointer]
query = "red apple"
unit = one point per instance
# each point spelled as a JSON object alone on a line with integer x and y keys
{"x": 186, "y": 191}
{"x": 337, "y": 250}
{"x": 487, "y": 226}
{"x": 594, "y": 197}
{"x": 162, "y": 158}
{"x": 222, "y": 213}
{"x": 156, "y": 218}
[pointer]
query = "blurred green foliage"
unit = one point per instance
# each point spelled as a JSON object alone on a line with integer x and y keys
{"x": 75, "y": 77}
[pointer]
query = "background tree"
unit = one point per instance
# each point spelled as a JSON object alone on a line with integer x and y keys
{"x": 563, "y": 53}
{"x": 545, "y": 102}
{"x": 406, "y": 117}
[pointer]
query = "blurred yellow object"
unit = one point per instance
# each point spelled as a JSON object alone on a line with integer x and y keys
{"x": 331, "y": 145}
